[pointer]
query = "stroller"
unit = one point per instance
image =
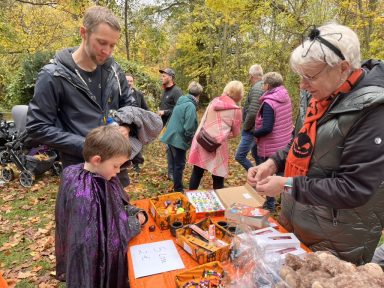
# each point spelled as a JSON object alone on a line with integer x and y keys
{"x": 31, "y": 163}
{"x": 7, "y": 132}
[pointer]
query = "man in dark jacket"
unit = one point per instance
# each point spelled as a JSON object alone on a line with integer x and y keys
{"x": 75, "y": 92}
{"x": 139, "y": 97}
{"x": 169, "y": 99}
{"x": 140, "y": 101}
{"x": 251, "y": 107}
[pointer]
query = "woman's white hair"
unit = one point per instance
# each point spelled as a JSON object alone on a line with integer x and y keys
{"x": 256, "y": 70}
{"x": 235, "y": 90}
{"x": 339, "y": 36}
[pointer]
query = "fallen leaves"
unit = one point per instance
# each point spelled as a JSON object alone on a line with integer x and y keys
{"x": 28, "y": 222}
{"x": 13, "y": 241}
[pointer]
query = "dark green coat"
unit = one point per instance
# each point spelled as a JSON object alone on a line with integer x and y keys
{"x": 182, "y": 125}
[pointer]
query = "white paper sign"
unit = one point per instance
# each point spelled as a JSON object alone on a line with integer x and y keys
{"x": 154, "y": 258}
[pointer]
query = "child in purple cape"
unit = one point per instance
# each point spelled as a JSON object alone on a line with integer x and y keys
{"x": 94, "y": 220}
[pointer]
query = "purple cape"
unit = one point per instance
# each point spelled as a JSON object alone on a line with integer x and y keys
{"x": 94, "y": 223}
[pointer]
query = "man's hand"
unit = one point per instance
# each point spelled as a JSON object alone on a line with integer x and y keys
{"x": 141, "y": 217}
{"x": 260, "y": 172}
{"x": 124, "y": 130}
{"x": 160, "y": 112}
{"x": 271, "y": 186}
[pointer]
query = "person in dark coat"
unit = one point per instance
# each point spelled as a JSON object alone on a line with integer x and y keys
{"x": 140, "y": 101}
{"x": 139, "y": 96}
{"x": 332, "y": 192}
{"x": 75, "y": 92}
{"x": 250, "y": 109}
{"x": 168, "y": 101}
{"x": 94, "y": 219}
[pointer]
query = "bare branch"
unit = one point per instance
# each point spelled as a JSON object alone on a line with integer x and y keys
{"x": 37, "y": 2}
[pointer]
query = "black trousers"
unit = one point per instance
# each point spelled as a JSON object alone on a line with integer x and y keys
{"x": 198, "y": 173}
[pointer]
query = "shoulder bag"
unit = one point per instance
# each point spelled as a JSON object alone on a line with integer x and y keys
{"x": 205, "y": 140}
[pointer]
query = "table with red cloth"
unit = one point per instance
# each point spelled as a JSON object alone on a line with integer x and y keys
{"x": 166, "y": 279}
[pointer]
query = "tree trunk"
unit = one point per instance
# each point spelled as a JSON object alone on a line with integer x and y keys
{"x": 126, "y": 29}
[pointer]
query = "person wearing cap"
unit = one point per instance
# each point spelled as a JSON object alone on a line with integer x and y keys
{"x": 169, "y": 99}
{"x": 170, "y": 95}
{"x": 332, "y": 192}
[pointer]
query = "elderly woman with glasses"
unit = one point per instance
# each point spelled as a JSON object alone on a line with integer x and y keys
{"x": 333, "y": 186}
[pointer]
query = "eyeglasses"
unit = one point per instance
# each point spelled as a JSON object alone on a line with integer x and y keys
{"x": 314, "y": 77}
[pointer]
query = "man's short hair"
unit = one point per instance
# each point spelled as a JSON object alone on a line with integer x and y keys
{"x": 273, "y": 79}
{"x": 256, "y": 70}
{"x": 106, "y": 142}
{"x": 96, "y": 15}
{"x": 195, "y": 89}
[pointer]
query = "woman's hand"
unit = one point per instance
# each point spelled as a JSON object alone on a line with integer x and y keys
{"x": 260, "y": 172}
{"x": 271, "y": 186}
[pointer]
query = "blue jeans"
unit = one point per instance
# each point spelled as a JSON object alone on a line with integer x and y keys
{"x": 247, "y": 143}
{"x": 178, "y": 156}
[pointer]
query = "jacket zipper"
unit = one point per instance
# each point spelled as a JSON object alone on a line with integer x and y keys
{"x": 335, "y": 215}
{"x": 87, "y": 92}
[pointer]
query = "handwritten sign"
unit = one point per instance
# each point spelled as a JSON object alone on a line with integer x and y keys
{"x": 154, "y": 258}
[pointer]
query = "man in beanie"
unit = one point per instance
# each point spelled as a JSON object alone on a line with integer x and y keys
{"x": 169, "y": 98}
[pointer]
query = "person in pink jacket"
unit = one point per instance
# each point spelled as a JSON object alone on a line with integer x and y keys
{"x": 222, "y": 120}
{"x": 273, "y": 122}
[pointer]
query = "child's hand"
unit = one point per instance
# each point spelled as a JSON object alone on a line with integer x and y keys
{"x": 141, "y": 218}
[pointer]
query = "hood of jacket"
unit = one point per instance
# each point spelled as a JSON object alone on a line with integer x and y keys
{"x": 374, "y": 74}
{"x": 278, "y": 94}
{"x": 224, "y": 102}
{"x": 64, "y": 57}
{"x": 187, "y": 99}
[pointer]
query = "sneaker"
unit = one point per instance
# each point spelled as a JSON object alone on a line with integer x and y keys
{"x": 136, "y": 167}
{"x": 269, "y": 206}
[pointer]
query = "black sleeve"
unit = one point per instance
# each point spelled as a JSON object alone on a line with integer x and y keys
{"x": 42, "y": 117}
{"x": 268, "y": 116}
{"x": 361, "y": 168}
{"x": 126, "y": 97}
{"x": 176, "y": 94}
{"x": 144, "y": 104}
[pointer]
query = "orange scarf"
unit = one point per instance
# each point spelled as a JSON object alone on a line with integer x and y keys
{"x": 300, "y": 154}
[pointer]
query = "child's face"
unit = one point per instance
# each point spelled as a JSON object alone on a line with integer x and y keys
{"x": 109, "y": 168}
